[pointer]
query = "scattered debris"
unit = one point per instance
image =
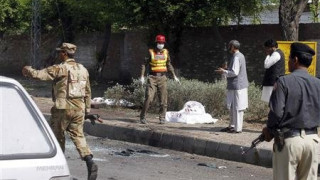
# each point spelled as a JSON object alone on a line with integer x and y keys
{"x": 222, "y": 167}
{"x": 176, "y": 158}
{"x": 111, "y": 102}
{"x": 212, "y": 165}
{"x": 131, "y": 152}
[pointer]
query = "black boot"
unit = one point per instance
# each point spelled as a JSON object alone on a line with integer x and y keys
{"x": 92, "y": 168}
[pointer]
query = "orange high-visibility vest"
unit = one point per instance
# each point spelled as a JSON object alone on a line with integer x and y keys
{"x": 158, "y": 61}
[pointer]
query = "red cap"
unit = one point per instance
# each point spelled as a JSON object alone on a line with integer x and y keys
{"x": 160, "y": 38}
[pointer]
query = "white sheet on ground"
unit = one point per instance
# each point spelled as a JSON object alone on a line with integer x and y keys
{"x": 192, "y": 112}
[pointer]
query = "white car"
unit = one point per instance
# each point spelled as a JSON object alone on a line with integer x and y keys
{"x": 28, "y": 147}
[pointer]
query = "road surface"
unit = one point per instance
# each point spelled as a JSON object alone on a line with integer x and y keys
{"x": 118, "y": 160}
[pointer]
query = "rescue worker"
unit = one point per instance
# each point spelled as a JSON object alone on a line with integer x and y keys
{"x": 294, "y": 117}
{"x": 274, "y": 65}
{"x": 237, "y": 86}
{"x": 155, "y": 68}
{"x": 71, "y": 95}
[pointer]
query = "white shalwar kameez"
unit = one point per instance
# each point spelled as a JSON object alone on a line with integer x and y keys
{"x": 237, "y": 100}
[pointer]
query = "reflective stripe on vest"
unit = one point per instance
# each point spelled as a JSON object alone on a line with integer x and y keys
{"x": 158, "y": 61}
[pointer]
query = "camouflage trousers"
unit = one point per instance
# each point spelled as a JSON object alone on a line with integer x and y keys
{"x": 70, "y": 121}
{"x": 156, "y": 84}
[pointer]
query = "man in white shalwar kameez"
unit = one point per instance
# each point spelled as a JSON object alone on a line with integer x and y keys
{"x": 237, "y": 88}
{"x": 274, "y": 65}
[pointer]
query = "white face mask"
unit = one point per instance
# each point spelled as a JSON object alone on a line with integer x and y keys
{"x": 160, "y": 46}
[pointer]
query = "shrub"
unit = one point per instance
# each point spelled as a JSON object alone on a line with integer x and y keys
{"x": 211, "y": 95}
{"x": 257, "y": 109}
{"x": 116, "y": 92}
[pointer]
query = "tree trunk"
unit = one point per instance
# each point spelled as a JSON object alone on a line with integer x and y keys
{"x": 102, "y": 55}
{"x": 290, "y": 12}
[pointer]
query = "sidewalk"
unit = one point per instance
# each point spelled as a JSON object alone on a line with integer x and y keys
{"x": 202, "y": 139}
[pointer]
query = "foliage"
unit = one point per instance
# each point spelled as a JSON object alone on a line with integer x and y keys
{"x": 12, "y": 17}
{"x": 187, "y": 12}
{"x": 211, "y": 95}
{"x": 117, "y": 92}
{"x": 159, "y": 16}
{"x": 257, "y": 108}
{"x": 314, "y": 8}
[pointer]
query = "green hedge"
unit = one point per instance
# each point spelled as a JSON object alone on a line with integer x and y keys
{"x": 211, "y": 95}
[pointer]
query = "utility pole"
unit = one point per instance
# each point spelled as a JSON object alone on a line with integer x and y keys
{"x": 35, "y": 34}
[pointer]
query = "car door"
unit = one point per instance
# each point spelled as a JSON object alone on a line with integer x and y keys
{"x": 28, "y": 148}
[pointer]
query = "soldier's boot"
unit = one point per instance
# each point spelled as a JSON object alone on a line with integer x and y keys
{"x": 143, "y": 121}
{"x": 162, "y": 121}
{"x": 92, "y": 168}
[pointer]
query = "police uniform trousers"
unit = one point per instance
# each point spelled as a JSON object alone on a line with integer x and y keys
{"x": 71, "y": 121}
{"x": 156, "y": 84}
{"x": 298, "y": 158}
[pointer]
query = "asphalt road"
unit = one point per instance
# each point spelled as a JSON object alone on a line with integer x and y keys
{"x": 119, "y": 160}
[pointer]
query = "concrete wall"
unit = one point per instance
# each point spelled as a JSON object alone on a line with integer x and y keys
{"x": 201, "y": 51}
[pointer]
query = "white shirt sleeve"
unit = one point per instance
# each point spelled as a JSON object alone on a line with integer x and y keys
{"x": 271, "y": 60}
{"x": 235, "y": 68}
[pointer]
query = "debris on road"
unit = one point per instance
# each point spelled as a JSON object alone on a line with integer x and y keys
{"x": 101, "y": 102}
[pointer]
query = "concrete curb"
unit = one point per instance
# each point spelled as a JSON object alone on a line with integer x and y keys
{"x": 189, "y": 144}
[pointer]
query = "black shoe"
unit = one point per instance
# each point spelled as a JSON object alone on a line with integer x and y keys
{"x": 92, "y": 168}
{"x": 227, "y": 129}
{"x": 143, "y": 121}
{"x": 233, "y": 131}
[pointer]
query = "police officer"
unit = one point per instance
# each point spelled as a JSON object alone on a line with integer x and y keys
{"x": 72, "y": 99}
{"x": 294, "y": 117}
{"x": 156, "y": 67}
{"x": 274, "y": 65}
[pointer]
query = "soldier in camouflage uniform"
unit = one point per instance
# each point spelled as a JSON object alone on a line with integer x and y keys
{"x": 72, "y": 100}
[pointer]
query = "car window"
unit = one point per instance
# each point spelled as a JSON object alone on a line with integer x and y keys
{"x": 22, "y": 134}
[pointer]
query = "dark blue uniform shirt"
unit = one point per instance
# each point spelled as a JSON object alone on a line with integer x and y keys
{"x": 295, "y": 102}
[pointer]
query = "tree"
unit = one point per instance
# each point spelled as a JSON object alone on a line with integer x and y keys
{"x": 11, "y": 17}
{"x": 314, "y": 8}
{"x": 290, "y": 12}
{"x": 172, "y": 17}
{"x": 80, "y": 16}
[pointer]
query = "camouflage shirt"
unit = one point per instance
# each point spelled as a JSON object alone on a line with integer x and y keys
{"x": 59, "y": 75}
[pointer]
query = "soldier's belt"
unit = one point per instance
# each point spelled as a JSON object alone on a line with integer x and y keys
{"x": 297, "y": 132}
{"x": 157, "y": 73}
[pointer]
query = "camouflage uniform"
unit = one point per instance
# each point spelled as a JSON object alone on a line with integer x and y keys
{"x": 67, "y": 113}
